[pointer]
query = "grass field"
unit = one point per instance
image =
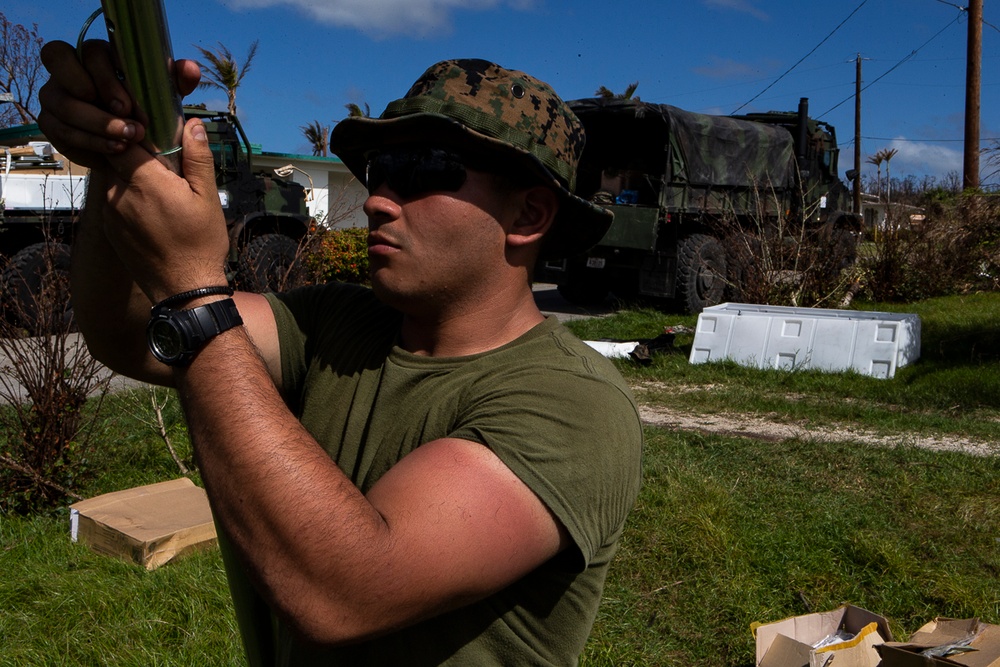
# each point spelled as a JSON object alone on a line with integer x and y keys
{"x": 727, "y": 531}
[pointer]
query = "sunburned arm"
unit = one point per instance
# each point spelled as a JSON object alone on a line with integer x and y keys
{"x": 448, "y": 525}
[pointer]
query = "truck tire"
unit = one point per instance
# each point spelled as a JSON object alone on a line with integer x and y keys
{"x": 35, "y": 289}
{"x": 701, "y": 272}
{"x": 270, "y": 263}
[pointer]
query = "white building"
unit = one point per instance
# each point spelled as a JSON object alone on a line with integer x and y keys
{"x": 333, "y": 195}
{"x": 875, "y": 214}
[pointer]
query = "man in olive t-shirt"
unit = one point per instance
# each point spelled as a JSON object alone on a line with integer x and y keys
{"x": 428, "y": 472}
{"x": 532, "y": 402}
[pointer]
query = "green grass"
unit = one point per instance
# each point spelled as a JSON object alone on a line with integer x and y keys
{"x": 727, "y": 531}
{"x": 64, "y": 605}
{"x": 953, "y": 389}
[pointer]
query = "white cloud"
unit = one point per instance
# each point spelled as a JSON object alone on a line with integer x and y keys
{"x": 381, "y": 18}
{"x": 917, "y": 158}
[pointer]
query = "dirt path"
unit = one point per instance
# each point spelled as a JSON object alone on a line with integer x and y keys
{"x": 761, "y": 428}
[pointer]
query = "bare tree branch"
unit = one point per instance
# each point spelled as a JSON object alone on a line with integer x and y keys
{"x": 20, "y": 72}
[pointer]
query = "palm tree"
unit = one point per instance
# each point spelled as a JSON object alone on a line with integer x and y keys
{"x": 223, "y": 72}
{"x": 354, "y": 111}
{"x": 884, "y": 155}
{"x": 608, "y": 94}
{"x": 877, "y": 161}
{"x": 318, "y": 135}
{"x": 887, "y": 155}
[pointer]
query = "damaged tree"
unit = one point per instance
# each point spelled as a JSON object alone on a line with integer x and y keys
{"x": 20, "y": 72}
{"x": 46, "y": 383}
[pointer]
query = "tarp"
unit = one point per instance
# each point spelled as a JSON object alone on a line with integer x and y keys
{"x": 715, "y": 151}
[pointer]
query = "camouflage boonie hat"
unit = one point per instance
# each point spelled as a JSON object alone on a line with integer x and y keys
{"x": 504, "y": 113}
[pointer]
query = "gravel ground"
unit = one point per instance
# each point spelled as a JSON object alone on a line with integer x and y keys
{"x": 761, "y": 428}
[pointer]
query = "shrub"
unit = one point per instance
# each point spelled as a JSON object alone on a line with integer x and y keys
{"x": 955, "y": 249}
{"x": 45, "y": 381}
{"x": 773, "y": 259}
{"x": 340, "y": 255}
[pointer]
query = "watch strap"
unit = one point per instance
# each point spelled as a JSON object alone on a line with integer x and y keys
{"x": 195, "y": 326}
{"x": 212, "y": 319}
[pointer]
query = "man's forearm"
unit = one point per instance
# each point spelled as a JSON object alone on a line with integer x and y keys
{"x": 110, "y": 310}
{"x": 272, "y": 486}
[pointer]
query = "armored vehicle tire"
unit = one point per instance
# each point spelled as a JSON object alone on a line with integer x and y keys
{"x": 270, "y": 263}
{"x": 701, "y": 272}
{"x": 35, "y": 289}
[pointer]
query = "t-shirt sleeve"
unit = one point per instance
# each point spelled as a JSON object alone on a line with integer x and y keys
{"x": 574, "y": 438}
{"x": 316, "y": 324}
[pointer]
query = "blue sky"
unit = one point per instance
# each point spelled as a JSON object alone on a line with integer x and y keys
{"x": 709, "y": 56}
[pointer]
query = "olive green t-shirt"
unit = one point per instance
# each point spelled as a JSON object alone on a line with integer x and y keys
{"x": 558, "y": 414}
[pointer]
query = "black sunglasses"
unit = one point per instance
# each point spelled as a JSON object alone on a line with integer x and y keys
{"x": 412, "y": 172}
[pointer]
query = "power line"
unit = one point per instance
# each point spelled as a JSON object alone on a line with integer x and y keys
{"x": 965, "y": 9}
{"x": 903, "y": 60}
{"x": 863, "y": 2}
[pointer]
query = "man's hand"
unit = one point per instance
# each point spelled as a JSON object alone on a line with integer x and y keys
{"x": 168, "y": 230}
{"x": 86, "y": 112}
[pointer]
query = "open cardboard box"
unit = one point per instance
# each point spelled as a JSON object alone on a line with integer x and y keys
{"x": 790, "y": 642}
{"x": 983, "y": 638}
{"x": 149, "y": 525}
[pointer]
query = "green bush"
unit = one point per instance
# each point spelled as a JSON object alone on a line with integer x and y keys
{"x": 340, "y": 255}
{"x": 953, "y": 250}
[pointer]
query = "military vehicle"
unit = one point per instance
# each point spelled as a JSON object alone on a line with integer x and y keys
{"x": 682, "y": 185}
{"x": 41, "y": 196}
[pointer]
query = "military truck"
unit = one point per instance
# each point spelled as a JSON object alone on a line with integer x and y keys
{"x": 41, "y": 196}
{"x": 683, "y": 185}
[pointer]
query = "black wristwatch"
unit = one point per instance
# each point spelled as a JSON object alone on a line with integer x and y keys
{"x": 175, "y": 336}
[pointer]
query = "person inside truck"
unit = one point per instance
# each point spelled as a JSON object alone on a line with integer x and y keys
{"x": 428, "y": 471}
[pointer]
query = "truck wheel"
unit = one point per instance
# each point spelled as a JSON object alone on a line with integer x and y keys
{"x": 270, "y": 263}
{"x": 701, "y": 272}
{"x": 35, "y": 289}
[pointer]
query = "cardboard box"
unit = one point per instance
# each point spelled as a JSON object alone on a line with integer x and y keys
{"x": 793, "y": 642}
{"x": 982, "y": 638}
{"x": 149, "y": 525}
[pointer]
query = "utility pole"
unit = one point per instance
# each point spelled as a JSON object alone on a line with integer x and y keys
{"x": 856, "y": 185}
{"x": 973, "y": 65}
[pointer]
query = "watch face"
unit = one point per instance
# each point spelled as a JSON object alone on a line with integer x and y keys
{"x": 165, "y": 340}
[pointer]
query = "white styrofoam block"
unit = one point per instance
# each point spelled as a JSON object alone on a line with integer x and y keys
{"x": 871, "y": 343}
{"x": 40, "y": 192}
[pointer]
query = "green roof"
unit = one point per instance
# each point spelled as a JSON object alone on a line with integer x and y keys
{"x": 21, "y": 134}
{"x": 256, "y": 148}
